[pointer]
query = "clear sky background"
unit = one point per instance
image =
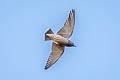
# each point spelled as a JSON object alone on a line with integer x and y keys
{"x": 23, "y": 52}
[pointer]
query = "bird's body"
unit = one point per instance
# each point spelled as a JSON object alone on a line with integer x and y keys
{"x": 60, "y": 40}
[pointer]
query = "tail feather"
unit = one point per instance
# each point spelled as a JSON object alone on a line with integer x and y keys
{"x": 48, "y": 31}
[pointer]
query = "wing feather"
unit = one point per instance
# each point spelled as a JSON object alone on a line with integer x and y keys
{"x": 56, "y": 53}
{"x": 67, "y": 29}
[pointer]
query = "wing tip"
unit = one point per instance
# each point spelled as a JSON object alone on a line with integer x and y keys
{"x": 46, "y": 68}
{"x": 73, "y": 10}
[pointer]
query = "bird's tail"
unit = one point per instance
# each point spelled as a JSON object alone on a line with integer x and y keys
{"x": 48, "y": 31}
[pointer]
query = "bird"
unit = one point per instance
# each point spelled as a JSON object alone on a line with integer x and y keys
{"x": 60, "y": 40}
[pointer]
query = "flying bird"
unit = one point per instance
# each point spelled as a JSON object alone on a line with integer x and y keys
{"x": 60, "y": 40}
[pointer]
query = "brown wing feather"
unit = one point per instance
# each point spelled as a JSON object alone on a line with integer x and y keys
{"x": 56, "y": 53}
{"x": 67, "y": 29}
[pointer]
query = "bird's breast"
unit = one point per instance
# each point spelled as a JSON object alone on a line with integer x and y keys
{"x": 59, "y": 39}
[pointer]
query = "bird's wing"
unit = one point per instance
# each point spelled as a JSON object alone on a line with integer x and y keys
{"x": 67, "y": 29}
{"x": 56, "y": 53}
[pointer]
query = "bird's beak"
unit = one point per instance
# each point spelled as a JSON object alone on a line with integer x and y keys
{"x": 74, "y": 46}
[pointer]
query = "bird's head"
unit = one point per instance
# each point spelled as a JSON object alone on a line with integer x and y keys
{"x": 70, "y": 44}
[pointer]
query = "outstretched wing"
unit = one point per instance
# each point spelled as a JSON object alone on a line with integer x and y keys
{"x": 67, "y": 29}
{"x": 56, "y": 53}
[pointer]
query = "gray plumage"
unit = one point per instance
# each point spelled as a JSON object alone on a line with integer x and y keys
{"x": 60, "y": 40}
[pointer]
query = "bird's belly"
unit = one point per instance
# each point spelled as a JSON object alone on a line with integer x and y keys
{"x": 60, "y": 40}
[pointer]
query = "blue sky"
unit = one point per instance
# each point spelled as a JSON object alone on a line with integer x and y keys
{"x": 23, "y": 52}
